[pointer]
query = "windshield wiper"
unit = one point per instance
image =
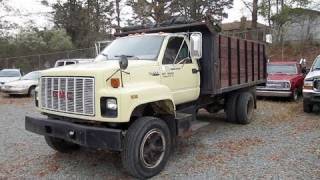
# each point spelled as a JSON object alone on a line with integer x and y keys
{"x": 128, "y": 56}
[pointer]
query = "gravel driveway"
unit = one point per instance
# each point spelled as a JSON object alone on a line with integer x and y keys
{"x": 282, "y": 142}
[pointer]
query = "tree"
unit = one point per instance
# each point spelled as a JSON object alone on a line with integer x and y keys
{"x": 154, "y": 10}
{"x": 196, "y": 9}
{"x": 6, "y": 10}
{"x": 84, "y": 20}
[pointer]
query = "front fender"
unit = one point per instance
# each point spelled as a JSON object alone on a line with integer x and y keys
{"x": 133, "y": 95}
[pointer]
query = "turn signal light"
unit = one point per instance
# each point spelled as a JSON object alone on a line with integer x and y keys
{"x": 308, "y": 87}
{"x": 115, "y": 82}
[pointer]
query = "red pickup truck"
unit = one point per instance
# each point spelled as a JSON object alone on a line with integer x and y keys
{"x": 285, "y": 79}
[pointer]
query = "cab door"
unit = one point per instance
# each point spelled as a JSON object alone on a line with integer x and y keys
{"x": 179, "y": 72}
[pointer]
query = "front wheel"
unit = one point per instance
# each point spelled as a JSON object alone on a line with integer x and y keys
{"x": 295, "y": 95}
{"x": 32, "y": 91}
{"x": 147, "y": 147}
{"x": 307, "y": 107}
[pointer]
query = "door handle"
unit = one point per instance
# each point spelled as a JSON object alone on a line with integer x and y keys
{"x": 195, "y": 71}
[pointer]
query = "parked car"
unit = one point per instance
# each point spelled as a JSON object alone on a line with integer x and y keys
{"x": 24, "y": 86}
{"x": 285, "y": 79}
{"x": 311, "y": 88}
{"x": 8, "y": 75}
{"x": 145, "y": 90}
{"x": 65, "y": 62}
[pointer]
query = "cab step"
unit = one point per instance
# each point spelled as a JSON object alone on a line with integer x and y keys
{"x": 186, "y": 125}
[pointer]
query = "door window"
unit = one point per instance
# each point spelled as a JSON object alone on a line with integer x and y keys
{"x": 176, "y": 51}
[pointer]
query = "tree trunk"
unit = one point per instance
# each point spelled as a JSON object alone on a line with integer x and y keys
{"x": 254, "y": 14}
{"x": 118, "y": 15}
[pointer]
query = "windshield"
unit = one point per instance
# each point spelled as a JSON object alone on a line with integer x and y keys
{"x": 31, "y": 76}
{"x": 138, "y": 47}
{"x": 316, "y": 65}
{"x": 9, "y": 73}
{"x": 282, "y": 69}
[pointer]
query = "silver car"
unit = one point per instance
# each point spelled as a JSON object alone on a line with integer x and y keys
{"x": 25, "y": 86}
{"x": 8, "y": 75}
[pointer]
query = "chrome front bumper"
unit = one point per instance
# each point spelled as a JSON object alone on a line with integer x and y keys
{"x": 311, "y": 95}
{"x": 14, "y": 90}
{"x": 267, "y": 92}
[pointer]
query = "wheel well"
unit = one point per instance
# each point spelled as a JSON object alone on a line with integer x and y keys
{"x": 163, "y": 109}
{"x": 157, "y": 108}
{"x": 33, "y": 86}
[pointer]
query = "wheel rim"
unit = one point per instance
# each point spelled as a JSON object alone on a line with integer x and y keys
{"x": 152, "y": 148}
{"x": 295, "y": 95}
{"x": 32, "y": 92}
{"x": 250, "y": 109}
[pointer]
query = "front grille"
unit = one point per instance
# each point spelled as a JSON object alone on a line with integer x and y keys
{"x": 68, "y": 94}
{"x": 278, "y": 84}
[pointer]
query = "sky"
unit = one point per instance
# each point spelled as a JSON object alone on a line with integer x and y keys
{"x": 36, "y": 12}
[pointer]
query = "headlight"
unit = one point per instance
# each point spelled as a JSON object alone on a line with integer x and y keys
{"x": 109, "y": 107}
{"x": 308, "y": 85}
{"x": 112, "y": 104}
{"x": 287, "y": 85}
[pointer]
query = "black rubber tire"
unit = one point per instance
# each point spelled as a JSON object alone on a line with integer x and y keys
{"x": 245, "y": 108}
{"x": 61, "y": 145}
{"x": 130, "y": 155}
{"x": 295, "y": 95}
{"x": 307, "y": 107}
{"x": 30, "y": 92}
{"x": 231, "y": 108}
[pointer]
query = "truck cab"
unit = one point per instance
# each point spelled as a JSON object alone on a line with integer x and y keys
{"x": 285, "y": 79}
{"x": 311, "y": 88}
{"x": 144, "y": 90}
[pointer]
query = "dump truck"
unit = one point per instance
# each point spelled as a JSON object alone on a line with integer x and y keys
{"x": 144, "y": 90}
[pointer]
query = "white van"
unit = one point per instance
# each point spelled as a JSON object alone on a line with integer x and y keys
{"x": 65, "y": 62}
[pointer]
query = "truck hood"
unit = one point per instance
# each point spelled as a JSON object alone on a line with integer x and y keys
{"x": 8, "y": 79}
{"x": 313, "y": 74}
{"x": 281, "y": 77}
{"x": 91, "y": 69}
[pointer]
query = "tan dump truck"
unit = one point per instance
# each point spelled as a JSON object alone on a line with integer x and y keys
{"x": 144, "y": 90}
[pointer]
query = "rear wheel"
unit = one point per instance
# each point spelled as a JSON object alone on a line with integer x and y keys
{"x": 147, "y": 147}
{"x": 307, "y": 107}
{"x": 61, "y": 145}
{"x": 231, "y": 108}
{"x": 245, "y": 108}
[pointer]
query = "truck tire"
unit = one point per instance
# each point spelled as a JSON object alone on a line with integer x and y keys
{"x": 307, "y": 107}
{"x": 61, "y": 145}
{"x": 231, "y": 108}
{"x": 147, "y": 147}
{"x": 245, "y": 108}
{"x": 295, "y": 95}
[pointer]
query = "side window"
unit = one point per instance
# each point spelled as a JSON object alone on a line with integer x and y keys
{"x": 173, "y": 47}
{"x": 69, "y": 62}
{"x": 184, "y": 54}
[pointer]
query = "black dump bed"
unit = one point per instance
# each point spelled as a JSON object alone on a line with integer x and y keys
{"x": 228, "y": 63}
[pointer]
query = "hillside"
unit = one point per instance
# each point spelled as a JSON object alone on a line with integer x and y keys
{"x": 294, "y": 53}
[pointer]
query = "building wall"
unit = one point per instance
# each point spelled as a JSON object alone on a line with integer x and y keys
{"x": 306, "y": 27}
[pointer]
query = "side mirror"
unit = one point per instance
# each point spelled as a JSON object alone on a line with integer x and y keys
{"x": 123, "y": 63}
{"x": 303, "y": 61}
{"x": 196, "y": 45}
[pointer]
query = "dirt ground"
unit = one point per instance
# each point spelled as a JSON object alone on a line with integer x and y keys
{"x": 282, "y": 142}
